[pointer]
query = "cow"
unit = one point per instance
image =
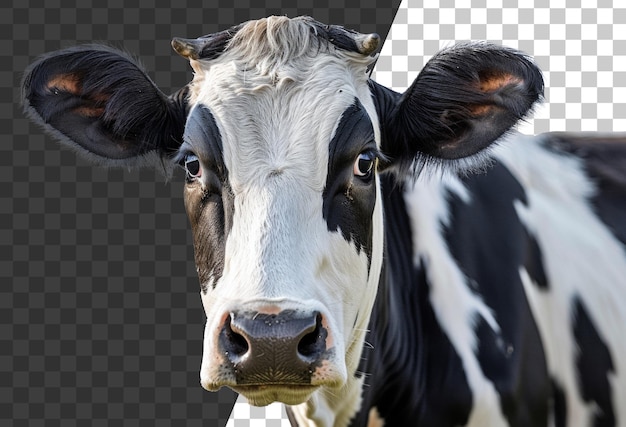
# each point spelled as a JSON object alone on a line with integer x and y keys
{"x": 368, "y": 257}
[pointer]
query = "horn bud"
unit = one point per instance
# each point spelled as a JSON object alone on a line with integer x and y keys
{"x": 188, "y": 48}
{"x": 367, "y": 43}
{"x": 206, "y": 47}
{"x": 350, "y": 40}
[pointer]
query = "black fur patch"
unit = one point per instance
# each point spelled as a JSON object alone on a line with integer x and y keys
{"x": 559, "y": 405}
{"x": 594, "y": 364}
{"x": 534, "y": 263}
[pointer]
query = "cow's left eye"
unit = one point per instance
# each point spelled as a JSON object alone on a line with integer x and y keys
{"x": 192, "y": 166}
{"x": 364, "y": 165}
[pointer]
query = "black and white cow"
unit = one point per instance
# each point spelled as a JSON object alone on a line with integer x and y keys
{"x": 338, "y": 274}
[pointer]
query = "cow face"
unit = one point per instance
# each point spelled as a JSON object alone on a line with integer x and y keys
{"x": 280, "y": 159}
{"x": 282, "y": 137}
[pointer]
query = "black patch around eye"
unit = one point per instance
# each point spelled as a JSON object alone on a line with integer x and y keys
{"x": 210, "y": 207}
{"x": 348, "y": 205}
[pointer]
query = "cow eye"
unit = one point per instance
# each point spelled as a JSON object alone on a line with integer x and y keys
{"x": 192, "y": 166}
{"x": 364, "y": 165}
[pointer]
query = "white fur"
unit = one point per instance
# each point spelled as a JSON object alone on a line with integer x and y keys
{"x": 456, "y": 306}
{"x": 276, "y": 119}
{"x": 581, "y": 259}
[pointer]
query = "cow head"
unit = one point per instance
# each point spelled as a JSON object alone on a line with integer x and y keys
{"x": 283, "y": 138}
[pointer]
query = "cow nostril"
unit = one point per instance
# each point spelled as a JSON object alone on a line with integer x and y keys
{"x": 235, "y": 344}
{"x": 313, "y": 344}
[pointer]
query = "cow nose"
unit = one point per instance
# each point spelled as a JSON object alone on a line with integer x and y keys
{"x": 276, "y": 348}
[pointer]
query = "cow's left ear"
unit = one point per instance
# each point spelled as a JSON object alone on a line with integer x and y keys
{"x": 464, "y": 99}
{"x": 99, "y": 101}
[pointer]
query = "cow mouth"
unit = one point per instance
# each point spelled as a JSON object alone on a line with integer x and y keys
{"x": 265, "y": 394}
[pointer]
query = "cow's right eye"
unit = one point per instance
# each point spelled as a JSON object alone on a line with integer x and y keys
{"x": 192, "y": 167}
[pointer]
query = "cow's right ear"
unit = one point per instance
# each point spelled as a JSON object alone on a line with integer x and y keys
{"x": 100, "y": 102}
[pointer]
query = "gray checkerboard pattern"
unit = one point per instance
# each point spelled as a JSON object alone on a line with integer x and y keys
{"x": 100, "y": 318}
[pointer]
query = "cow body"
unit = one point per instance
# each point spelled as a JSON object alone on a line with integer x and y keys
{"x": 496, "y": 295}
{"x": 339, "y": 274}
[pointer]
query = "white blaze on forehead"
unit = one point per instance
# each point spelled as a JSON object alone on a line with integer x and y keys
{"x": 280, "y": 134}
{"x": 276, "y": 150}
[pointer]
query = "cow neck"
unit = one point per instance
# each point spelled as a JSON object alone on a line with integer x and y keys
{"x": 394, "y": 345}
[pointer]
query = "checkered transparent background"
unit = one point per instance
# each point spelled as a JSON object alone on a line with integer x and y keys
{"x": 579, "y": 45}
{"x": 100, "y": 321}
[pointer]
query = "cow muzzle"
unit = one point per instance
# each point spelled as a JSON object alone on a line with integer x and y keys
{"x": 275, "y": 355}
